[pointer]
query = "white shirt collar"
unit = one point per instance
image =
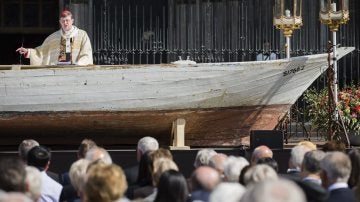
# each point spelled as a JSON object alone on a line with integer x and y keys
{"x": 338, "y": 185}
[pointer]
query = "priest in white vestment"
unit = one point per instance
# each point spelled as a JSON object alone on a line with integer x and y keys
{"x": 69, "y": 45}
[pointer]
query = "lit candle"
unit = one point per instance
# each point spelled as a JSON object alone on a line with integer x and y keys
{"x": 287, "y": 13}
{"x": 333, "y": 7}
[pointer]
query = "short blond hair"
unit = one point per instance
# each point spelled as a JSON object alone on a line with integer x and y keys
{"x": 105, "y": 183}
{"x": 308, "y": 144}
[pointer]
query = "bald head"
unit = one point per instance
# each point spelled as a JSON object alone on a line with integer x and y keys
{"x": 261, "y": 152}
{"x": 205, "y": 178}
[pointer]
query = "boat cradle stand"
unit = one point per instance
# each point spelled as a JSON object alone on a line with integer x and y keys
{"x": 178, "y": 135}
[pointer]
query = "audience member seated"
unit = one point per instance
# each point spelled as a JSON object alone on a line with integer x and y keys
{"x": 33, "y": 183}
{"x": 270, "y": 162}
{"x": 226, "y": 191}
{"x": 259, "y": 153}
{"x": 310, "y": 174}
{"x": 144, "y": 145}
{"x": 40, "y": 157}
{"x": 142, "y": 191}
{"x": 77, "y": 175}
{"x": 217, "y": 162}
{"x": 25, "y": 146}
{"x": 203, "y": 157}
{"x": 84, "y": 147}
{"x": 232, "y": 168}
{"x": 172, "y": 187}
{"x": 105, "y": 183}
{"x": 12, "y": 174}
{"x": 259, "y": 173}
{"x": 295, "y": 161}
{"x": 336, "y": 169}
{"x": 203, "y": 181}
{"x": 160, "y": 166}
{"x": 99, "y": 153}
{"x": 274, "y": 190}
{"x": 144, "y": 176}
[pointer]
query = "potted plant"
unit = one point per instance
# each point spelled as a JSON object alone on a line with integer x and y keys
{"x": 348, "y": 106}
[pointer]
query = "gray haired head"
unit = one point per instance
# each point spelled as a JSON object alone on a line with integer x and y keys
{"x": 203, "y": 157}
{"x": 25, "y": 146}
{"x": 146, "y": 144}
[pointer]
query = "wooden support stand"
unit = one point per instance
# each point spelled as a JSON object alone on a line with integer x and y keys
{"x": 178, "y": 135}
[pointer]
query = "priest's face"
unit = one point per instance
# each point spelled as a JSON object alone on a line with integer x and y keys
{"x": 66, "y": 23}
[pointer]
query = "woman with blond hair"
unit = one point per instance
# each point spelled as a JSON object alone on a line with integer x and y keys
{"x": 105, "y": 183}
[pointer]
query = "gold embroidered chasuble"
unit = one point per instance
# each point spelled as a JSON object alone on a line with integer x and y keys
{"x": 49, "y": 52}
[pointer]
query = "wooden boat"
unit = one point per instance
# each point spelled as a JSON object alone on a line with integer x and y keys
{"x": 221, "y": 102}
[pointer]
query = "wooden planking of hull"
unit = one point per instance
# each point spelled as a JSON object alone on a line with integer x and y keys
{"x": 221, "y": 102}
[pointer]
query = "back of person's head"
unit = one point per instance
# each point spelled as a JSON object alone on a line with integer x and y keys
{"x": 12, "y": 174}
{"x": 258, "y": 173}
{"x": 98, "y": 153}
{"x": 270, "y": 162}
{"x": 147, "y": 144}
{"x": 232, "y": 168}
{"x": 39, "y": 157}
{"x": 354, "y": 178}
{"x": 274, "y": 191}
{"x": 227, "y": 191}
{"x": 33, "y": 183}
{"x": 217, "y": 162}
{"x": 311, "y": 161}
{"x": 84, "y": 147}
{"x": 259, "y": 152}
{"x": 336, "y": 166}
{"x": 334, "y": 146}
{"x": 203, "y": 157}
{"x": 105, "y": 183}
{"x": 13, "y": 197}
{"x": 297, "y": 156}
{"x": 161, "y": 165}
{"x": 172, "y": 187}
{"x": 160, "y": 153}
{"x": 205, "y": 178}
{"x": 25, "y": 146}
{"x": 77, "y": 174}
{"x": 242, "y": 174}
{"x": 308, "y": 144}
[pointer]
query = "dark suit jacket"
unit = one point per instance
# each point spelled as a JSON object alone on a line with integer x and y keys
{"x": 314, "y": 192}
{"x": 341, "y": 195}
{"x": 131, "y": 174}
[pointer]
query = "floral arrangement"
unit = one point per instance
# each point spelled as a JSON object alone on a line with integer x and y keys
{"x": 348, "y": 105}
